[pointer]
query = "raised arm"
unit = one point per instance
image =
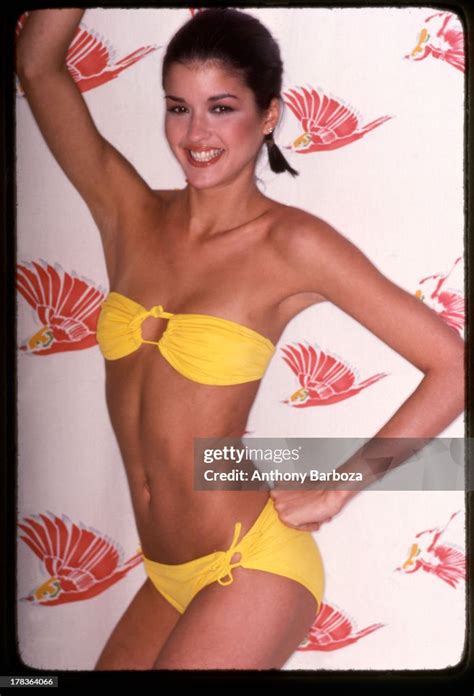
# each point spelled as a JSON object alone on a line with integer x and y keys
{"x": 107, "y": 182}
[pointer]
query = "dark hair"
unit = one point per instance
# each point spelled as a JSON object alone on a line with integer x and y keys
{"x": 242, "y": 43}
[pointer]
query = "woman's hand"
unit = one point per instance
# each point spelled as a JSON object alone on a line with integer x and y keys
{"x": 307, "y": 510}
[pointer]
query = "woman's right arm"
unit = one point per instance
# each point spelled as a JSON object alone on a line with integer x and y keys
{"x": 104, "y": 178}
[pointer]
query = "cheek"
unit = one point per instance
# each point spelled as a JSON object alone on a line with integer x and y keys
{"x": 172, "y": 130}
{"x": 245, "y": 132}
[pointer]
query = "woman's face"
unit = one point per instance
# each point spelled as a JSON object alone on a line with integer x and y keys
{"x": 212, "y": 123}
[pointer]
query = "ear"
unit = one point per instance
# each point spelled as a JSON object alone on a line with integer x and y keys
{"x": 272, "y": 115}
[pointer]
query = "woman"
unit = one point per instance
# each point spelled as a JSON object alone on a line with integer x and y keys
{"x": 235, "y": 578}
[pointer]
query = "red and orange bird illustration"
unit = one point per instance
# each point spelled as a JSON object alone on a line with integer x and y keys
{"x": 333, "y": 630}
{"x": 447, "y": 302}
{"x": 91, "y": 59}
{"x": 65, "y": 306}
{"x": 327, "y": 122}
{"x": 324, "y": 379}
{"x": 444, "y": 560}
{"x": 79, "y": 561}
{"x": 441, "y": 37}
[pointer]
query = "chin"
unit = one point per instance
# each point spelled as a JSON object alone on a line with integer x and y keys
{"x": 202, "y": 183}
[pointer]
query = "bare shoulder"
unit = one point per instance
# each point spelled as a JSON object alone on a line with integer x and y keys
{"x": 329, "y": 263}
{"x": 307, "y": 239}
{"x": 323, "y": 255}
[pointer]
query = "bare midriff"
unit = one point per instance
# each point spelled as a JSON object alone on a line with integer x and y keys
{"x": 156, "y": 415}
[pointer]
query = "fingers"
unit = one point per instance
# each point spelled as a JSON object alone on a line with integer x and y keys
{"x": 314, "y": 527}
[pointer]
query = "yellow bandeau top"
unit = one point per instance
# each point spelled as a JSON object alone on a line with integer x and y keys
{"x": 201, "y": 347}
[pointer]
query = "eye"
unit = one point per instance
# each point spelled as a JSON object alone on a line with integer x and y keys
{"x": 176, "y": 109}
{"x": 222, "y": 109}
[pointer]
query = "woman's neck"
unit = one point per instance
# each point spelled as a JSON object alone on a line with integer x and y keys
{"x": 220, "y": 208}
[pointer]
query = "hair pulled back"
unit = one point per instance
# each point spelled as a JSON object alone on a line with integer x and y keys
{"x": 242, "y": 43}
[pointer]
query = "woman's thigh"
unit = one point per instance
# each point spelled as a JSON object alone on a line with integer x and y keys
{"x": 140, "y": 633}
{"x": 256, "y": 622}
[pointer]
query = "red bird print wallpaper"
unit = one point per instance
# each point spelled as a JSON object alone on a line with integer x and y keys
{"x": 327, "y": 123}
{"x": 447, "y": 302}
{"x": 91, "y": 60}
{"x": 441, "y": 38}
{"x": 444, "y": 560}
{"x": 375, "y": 98}
{"x": 323, "y": 378}
{"x": 64, "y": 307}
{"x": 334, "y": 630}
{"x": 77, "y": 562}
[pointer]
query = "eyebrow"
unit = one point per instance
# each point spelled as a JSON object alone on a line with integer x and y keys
{"x": 216, "y": 97}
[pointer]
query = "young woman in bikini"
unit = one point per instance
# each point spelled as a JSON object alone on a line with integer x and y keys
{"x": 205, "y": 279}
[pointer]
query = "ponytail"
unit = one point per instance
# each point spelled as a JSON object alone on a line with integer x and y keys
{"x": 278, "y": 163}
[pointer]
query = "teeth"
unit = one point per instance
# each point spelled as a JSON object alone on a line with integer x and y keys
{"x": 205, "y": 156}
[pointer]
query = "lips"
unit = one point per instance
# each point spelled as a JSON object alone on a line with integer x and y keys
{"x": 204, "y": 157}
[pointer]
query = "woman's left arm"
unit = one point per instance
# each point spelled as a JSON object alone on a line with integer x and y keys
{"x": 329, "y": 264}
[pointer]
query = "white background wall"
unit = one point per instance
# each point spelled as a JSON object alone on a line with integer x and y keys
{"x": 397, "y": 193}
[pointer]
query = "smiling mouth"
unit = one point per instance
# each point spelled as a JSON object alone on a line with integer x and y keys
{"x": 204, "y": 158}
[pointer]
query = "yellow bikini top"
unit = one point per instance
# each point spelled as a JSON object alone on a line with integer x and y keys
{"x": 201, "y": 347}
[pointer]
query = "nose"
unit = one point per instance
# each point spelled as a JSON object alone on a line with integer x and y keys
{"x": 198, "y": 128}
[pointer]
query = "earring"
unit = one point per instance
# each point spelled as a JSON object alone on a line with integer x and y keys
{"x": 268, "y": 132}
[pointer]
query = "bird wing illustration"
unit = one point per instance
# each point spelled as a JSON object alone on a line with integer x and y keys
{"x": 440, "y": 278}
{"x": 442, "y": 37}
{"x": 324, "y": 379}
{"x": 333, "y": 630}
{"x": 439, "y": 558}
{"x": 452, "y": 566}
{"x": 454, "y": 310}
{"x": 449, "y": 303}
{"x": 63, "y": 301}
{"x": 319, "y": 112}
{"x": 90, "y": 55}
{"x": 70, "y": 551}
{"x": 328, "y": 122}
{"x": 313, "y": 366}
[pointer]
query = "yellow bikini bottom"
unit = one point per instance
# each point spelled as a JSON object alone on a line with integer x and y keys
{"x": 268, "y": 545}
